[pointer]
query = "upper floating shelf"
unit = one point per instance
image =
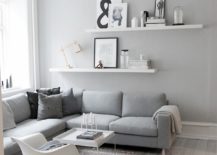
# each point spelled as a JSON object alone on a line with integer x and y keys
{"x": 130, "y": 29}
{"x": 92, "y": 70}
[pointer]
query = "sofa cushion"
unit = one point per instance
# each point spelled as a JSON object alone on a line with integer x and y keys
{"x": 47, "y": 127}
{"x": 10, "y": 147}
{"x": 78, "y": 94}
{"x": 33, "y": 102}
{"x": 20, "y": 107}
{"x": 67, "y": 118}
{"x": 141, "y": 126}
{"x": 142, "y": 105}
{"x": 102, "y": 102}
{"x": 101, "y": 120}
{"x": 49, "y": 106}
{"x": 69, "y": 102}
{"x": 8, "y": 117}
{"x": 49, "y": 91}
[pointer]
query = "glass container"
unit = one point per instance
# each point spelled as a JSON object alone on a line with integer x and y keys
{"x": 178, "y": 16}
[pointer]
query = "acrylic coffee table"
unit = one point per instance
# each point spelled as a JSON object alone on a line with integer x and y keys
{"x": 70, "y": 137}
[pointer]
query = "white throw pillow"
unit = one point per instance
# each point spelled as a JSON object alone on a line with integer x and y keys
{"x": 8, "y": 117}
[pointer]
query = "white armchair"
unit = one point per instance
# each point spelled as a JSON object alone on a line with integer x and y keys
{"x": 29, "y": 145}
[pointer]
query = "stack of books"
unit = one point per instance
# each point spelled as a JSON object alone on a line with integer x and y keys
{"x": 140, "y": 64}
{"x": 90, "y": 135}
{"x": 152, "y": 22}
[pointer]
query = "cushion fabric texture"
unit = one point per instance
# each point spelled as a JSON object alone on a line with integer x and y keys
{"x": 48, "y": 128}
{"x": 102, "y": 121}
{"x": 142, "y": 105}
{"x": 49, "y": 106}
{"x": 102, "y": 102}
{"x": 33, "y": 102}
{"x": 20, "y": 107}
{"x": 49, "y": 91}
{"x": 69, "y": 103}
{"x": 143, "y": 126}
{"x": 8, "y": 117}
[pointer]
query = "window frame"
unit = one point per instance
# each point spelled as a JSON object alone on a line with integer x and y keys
{"x": 33, "y": 51}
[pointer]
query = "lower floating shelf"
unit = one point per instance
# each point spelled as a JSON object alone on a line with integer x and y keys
{"x": 92, "y": 70}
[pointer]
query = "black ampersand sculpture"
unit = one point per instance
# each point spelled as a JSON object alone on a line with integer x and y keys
{"x": 104, "y": 13}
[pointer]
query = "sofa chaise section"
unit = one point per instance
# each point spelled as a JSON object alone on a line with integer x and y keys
{"x": 48, "y": 128}
{"x": 25, "y": 125}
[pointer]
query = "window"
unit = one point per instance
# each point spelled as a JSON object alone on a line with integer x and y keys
{"x": 14, "y": 45}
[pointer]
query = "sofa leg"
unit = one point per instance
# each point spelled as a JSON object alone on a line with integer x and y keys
{"x": 163, "y": 152}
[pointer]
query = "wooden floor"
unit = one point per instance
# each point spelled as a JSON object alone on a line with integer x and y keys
{"x": 193, "y": 147}
{"x": 180, "y": 147}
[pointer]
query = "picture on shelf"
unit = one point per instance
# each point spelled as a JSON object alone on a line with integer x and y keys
{"x": 102, "y": 12}
{"x": 105, "y": 52}
{"x": 118, "y": 15}
{"x": 160, "y": 8}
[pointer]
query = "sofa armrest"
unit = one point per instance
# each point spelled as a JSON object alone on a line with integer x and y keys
{"x": 165, "y": 135}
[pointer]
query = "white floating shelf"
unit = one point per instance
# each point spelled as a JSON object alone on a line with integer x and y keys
{"x": 129, "y": 29}
{"x": 92, "y": 70}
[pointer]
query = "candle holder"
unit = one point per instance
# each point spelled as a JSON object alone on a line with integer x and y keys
{"x": 88, "y": 121}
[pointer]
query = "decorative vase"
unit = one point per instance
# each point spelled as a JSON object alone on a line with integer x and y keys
{"x": 178, "y": 16}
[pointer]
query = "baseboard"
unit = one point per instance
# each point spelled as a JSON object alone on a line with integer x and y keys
{"x": 199, "y": 130}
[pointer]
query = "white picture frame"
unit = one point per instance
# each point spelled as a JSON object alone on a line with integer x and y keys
{"x": 118, "y": 15}
{"x": 106, "y": 51}
{"x": 102, "y": 12}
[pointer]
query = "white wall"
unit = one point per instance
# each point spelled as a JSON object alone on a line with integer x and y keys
{"x": 186, "y": 59}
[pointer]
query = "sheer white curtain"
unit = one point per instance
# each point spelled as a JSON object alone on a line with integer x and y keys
{"x": 1, "y": 124}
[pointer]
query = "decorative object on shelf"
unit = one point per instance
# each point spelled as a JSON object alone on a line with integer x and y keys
{"x": 140, "y": 64}
{"x": 134, "y": 22}
{"x": 178, "y": 16}
{"x": 118, "y": 15}
{"x": 102, "y": 12}
{"x": 105, "y": 50}
{"x": 100, "y": 65}
{"x": 124, "y": 58}
{"x": 10, "y": 81}
{"x": 75, "y": 47}
{"x": 154, "y": 21}
{"x": 143, "y": 18}
{"x": 160, "y": 8}
{"x": 7, "y": 83}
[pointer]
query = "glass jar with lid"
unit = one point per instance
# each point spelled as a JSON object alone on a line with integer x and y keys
{"x": 178, "y": 16}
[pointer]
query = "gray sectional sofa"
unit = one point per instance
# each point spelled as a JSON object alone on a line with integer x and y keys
{"x": 128, "y": 114}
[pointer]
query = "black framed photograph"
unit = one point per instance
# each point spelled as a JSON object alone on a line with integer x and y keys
{"x": 160, "y": 8}
{"x": 106, "y": 52}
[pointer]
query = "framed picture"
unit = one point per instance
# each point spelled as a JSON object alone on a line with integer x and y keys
{"x": 118, "y": 15}
{"x": 160, "y": 8}
{"x": 102, "y": 7}
{"x": 106, "y": 52}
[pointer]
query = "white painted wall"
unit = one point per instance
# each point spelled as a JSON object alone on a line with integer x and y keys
{"x": 186, "y": 59}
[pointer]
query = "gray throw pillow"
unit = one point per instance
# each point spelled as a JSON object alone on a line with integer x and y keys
{"x": 70, "y": 105}
{"x": 8, "y": 117}
{"x": 49, "y": 106}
